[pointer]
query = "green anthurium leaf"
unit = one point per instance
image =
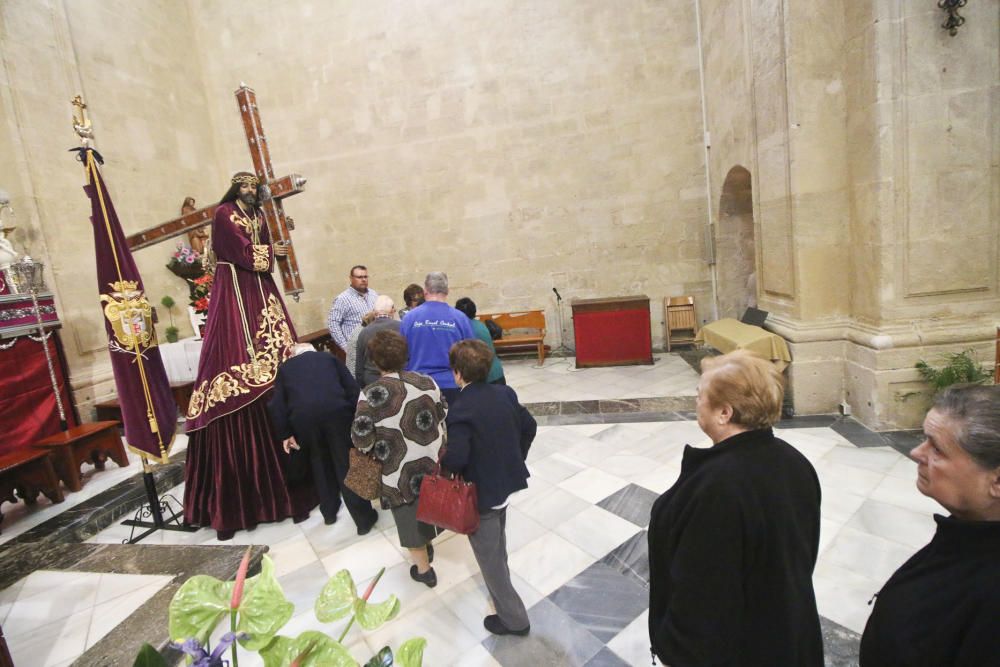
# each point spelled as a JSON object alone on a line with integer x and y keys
{"x": 370, "y": 616}
{"x": 336, "y": 600}
{"x": 381, "y": 659}
{"x": 263, "y": 609}
{"x": 149, "y": 657}
{"x": 323, "y": 651}
{"x": 197, "y": 607}
{"x": 411, "y": 653}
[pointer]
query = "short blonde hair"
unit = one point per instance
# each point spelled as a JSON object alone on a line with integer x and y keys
{"x": 752, "y": 386}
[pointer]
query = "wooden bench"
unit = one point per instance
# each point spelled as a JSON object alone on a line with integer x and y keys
{"x": 521, "y": 330}
{"x": 111, "y": 410}
{"x": 87, "y": 443}
{"x": 29, "y": 472}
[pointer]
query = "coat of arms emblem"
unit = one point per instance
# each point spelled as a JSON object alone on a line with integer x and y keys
{"x": 130, "y": 315}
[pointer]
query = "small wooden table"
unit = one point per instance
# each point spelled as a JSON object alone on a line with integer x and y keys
{"x": 29, "y": 472}
{"x": 87, "y": 443}
{"x": 728, "y": 334}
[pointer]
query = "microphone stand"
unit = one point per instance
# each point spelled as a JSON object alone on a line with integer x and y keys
{"x": 562, "y": 331}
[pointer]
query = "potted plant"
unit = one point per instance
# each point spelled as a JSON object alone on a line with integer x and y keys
{"x": 960, "y": 367}
{"x": 172, "y": 331}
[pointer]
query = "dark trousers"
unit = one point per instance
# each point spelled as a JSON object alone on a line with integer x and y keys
{"x": 327, "y": 443}
{"x": 489, "y": 546}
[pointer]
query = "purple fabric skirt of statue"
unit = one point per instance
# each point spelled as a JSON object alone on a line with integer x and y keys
{"x": 234, "y": 474}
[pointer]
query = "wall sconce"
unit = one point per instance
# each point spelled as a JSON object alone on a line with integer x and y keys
{"x": 954, "y": 19}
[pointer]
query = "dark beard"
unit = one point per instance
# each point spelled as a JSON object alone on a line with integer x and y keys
{"x": 250, "y": 199}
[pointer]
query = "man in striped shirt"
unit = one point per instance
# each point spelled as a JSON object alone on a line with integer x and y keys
{"x": 350, "y": 306}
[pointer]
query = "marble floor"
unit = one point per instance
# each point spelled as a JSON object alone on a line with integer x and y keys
{"x": 576, "y": 536}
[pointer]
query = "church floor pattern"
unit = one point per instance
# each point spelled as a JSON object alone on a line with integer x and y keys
{"x": 577, "y": 542}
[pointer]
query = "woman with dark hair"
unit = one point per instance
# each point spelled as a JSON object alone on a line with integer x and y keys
{"x": 400, "y": 420}
{"x": 942, "y": 607}
{"x": 468, "y": 306}
{"x": 489, "y": 433}
{"x": 733, "y": 544}
{"x": 413, "y": 296}
{"x": 234, "y": 477}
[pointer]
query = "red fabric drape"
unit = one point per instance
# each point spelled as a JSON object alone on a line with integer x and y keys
{"x": 28, "y": 410}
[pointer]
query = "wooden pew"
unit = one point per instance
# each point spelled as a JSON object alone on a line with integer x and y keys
{"x": 521, "y": 330}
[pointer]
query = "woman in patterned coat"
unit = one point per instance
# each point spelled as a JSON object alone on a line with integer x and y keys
{"x": 400, "y": 420}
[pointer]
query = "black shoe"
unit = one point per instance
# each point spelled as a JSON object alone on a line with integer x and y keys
{"x": 428, "y": 578}
{"x": 330, "y": 520}
{"x": 430, "y": 552}
{"x": 366, "y": 528}
{"x": 496, "y": 626}
{"x": 223, "y": 535}
{"x": 299, "y": 518}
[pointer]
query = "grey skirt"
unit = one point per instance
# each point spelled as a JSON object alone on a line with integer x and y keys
{"x": 413, "y": 534}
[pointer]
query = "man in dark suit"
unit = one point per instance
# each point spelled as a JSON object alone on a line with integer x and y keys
{"x": 312, "y": 409}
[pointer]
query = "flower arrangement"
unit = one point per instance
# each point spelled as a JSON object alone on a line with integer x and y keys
{"x": 185, "y": 262}
{"x": 257, "y": 610}
{"x": 201, "y": 289}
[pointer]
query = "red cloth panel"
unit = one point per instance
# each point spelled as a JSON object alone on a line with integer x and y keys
{"x": 28, "y": 409}
{"x": 612, "y": 335}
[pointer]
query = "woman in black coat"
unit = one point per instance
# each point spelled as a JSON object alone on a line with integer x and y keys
{"x": 942, "y": 607}
{"x": 733, "y": 544}
{"x": 489, "y": 434}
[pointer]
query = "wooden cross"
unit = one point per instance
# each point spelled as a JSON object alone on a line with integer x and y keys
{"x": 274, "y": 212}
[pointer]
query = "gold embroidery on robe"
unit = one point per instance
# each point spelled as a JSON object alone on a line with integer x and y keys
{"x": 273, "y": 345}
{"x": 249, "y": 225}
{"x": 261, "y": 257}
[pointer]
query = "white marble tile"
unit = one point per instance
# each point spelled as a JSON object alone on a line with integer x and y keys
{"x": 108, "y": 614}
{"x": 555, "y": 468}
{"x": 363, "y": 559}
{"x": 827, "y": 532}
{"x": 867, "y": 555}
{"x": 521, "y": 529}
{"x": 657, "y": 447}
{"x": 842, "y": 594}
{"x": 477, "y": 656}
{"x": 837, "y": 477}
{"x": 628, "y": 466}
{"x": 554, "y": 507}
{"x": 596, "y": 531}
{"x": 909, "y": 528}
{"x": 47, "y": 644}
{"x": 838, "y": 505}
{"x": 7, "y": 598}
{"x": 292, "y": 553}
{"x": 876, "y": 459}
{"x": 447, "y": 638}
{"x": 470, "y": 602}
{"x": 659, "y": 479}
{"x": 111, "y": 586}
{"x": 632, "y": 643}
{"x": 49, "y": 596}
{"x": 905, "y": 468}
{"x": 592, "y": 484}
{"x": 549, "y": 562}
{"x": 903, "y": 493}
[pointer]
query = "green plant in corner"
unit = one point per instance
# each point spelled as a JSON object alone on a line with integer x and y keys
{"x": 172, "y": 331}
{"x": 960, "y": 367}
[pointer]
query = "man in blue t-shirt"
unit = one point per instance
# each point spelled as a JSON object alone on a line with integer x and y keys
{"x": 431, "y": 329}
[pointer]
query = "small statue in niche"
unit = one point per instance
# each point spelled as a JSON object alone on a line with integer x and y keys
{"x": 198, "y": 238}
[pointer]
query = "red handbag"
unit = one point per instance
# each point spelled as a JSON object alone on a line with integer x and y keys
{"x": 448, "y": 503}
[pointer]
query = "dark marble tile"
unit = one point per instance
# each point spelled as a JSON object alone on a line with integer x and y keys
{"x": 602, "y": 600}
{"x": 903, "y": 441}
{"x": 618, "y": 405}
{"x": 632, "y": 503}
{"x": 689, "y": 415}
{"x": 858, "y": 434}
{"x": 666, "y": 403}
{"x": 579, "y": 407}
{"x": 543, "y": 408}
{"x": 631, "y": 558}
{"x": 808, "y": 421}
{"x": 569, "y": 420}
{"x": 694, "y": 355}
{"x": 606, "y": 658}
{"x": 840, "y": 645}
{"x": 634, "y": 417}
{"x": 555, "y": 639}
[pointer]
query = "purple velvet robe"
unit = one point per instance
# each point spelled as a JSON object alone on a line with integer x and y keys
{"x": 234, "y": 474}
{"x": 248, "y": 332}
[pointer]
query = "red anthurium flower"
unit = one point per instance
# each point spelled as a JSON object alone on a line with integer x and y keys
{"x": 241, "y": 577}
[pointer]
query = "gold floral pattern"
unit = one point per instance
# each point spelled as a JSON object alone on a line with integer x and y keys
{"x": 249, "y": 225}
{"x": 261, "y": 257}
{"x": 272, "y": 345}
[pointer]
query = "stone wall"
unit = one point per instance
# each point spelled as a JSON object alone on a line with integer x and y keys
{"x": 134, "y": 64}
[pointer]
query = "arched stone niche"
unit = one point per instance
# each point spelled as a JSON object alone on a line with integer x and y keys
{"x": 734, "y": 245}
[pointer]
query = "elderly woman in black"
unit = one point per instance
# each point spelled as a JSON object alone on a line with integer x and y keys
{"x": 733, "y": 543}
{"x": 942, "y": 607}
{"x": 489, "y": 434}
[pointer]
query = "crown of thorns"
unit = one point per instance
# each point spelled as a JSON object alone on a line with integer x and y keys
{"x": 246, "y": 179}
